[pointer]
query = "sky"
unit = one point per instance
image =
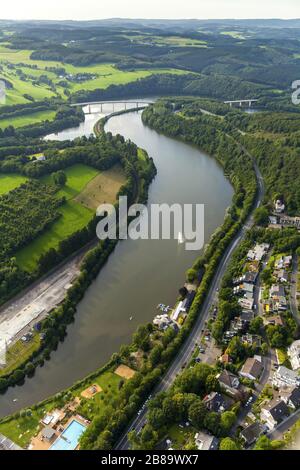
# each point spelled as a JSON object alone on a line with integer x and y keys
{"x": 173, "y": 9}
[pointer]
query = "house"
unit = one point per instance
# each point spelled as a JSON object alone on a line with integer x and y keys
{"x": 279, "y": 206}
{"x": 282, "y": 275}
{"x": 291, "y": 396}
{"x": 7, "y": 444}
{"x": 275, "y": 320}
{"x": 246, "y": 303}
{"x": 273, "y": 412}
{"x": 277, "y": 291}
{"x": 252, "y": 368}
{"x": 294, "y": 354}
{"x": 251, "y": 433}
{"x": 284, "y": 377}
{"x": 229, "y": 382}
{"x": 252, "y": 340}
{"x": 258, "y": 252}
{"x": 163, "y": 322}
{"x": 273, "y": 219}
{"x": 178, "y": 310}
{"x": 225, "y": 359}
{"x": 187, "y": 302}
{"x": 48, "y": 433}
{"x": 283, "y": 262}
{"x": 287, "y": 221}
{"x": 250, "y": 277}
{"x": 205, "y": 441}
{"x": 247, "y": 316}
{"x": 217, "y": 402}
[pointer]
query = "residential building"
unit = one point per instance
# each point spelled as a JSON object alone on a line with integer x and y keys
{"x": 7, "y": 444}
{"x": 284, "y": 377}
{"x": 282, "y": 275}
{"x": 258, "y": 252}
{"x": 273, "y": 412}
{"x": 294, "y": 354}
{"x": 279, "y": 206}
{"x": 252, "y": 340}
{"x": 251, "y": 433}
{"x": 230, "y": 384}
{"x": 252, "y": 368}
{"x": 217, "y": 402}
{"x": 291, "y": 396}
{"x": 246, "y": 303}
{"x": 205, "y": 441}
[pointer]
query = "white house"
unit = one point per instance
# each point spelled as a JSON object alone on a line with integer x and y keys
{"x": 294, "y": 354}
{"x": 284, "y": 377}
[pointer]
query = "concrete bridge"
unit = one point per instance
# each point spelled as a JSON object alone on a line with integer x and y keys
{"x": 241, "y": 102}
{"x": 101, "y": 104}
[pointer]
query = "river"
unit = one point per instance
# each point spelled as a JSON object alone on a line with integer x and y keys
{"x": 139, "y": 274}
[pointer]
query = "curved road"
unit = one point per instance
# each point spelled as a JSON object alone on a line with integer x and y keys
{"x": 187, "y": 349}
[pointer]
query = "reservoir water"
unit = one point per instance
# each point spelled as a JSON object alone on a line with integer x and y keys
{"x": 139, "y": 274}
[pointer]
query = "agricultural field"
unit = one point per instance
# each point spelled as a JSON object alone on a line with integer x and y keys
{"x": 234, "y": 34}
{"x": 27, "y": 119}
{"x": 175, "y": 41}
{"x": 8, "y": 182}
{"x": 102, "y": 189}
{"x": 104, "y": 75}
{"x": 83, "y": 184}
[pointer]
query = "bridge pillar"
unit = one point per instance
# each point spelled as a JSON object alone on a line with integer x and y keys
{"x": 101, "y": 107}
{"x": 125, "y": 106}
{"x": 250, "y": 104}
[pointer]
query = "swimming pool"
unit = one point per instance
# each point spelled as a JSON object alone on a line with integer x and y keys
{"x": 69, "y": 439}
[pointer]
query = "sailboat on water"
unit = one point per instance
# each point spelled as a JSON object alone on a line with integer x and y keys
{"x": 180, "y": 238}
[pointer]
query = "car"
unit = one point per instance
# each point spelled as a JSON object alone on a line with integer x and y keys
{"x": 202, "y": 350}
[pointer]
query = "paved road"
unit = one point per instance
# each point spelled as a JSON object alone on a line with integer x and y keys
{"x": 187, "y": 349}
{"x": 284, "y": 426}
{"x": 293, "y": 297}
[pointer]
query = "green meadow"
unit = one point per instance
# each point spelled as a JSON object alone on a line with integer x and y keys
{"x": 28, "y": 119}
{"x": 106, "y": 75}
{"x": 74, "y": 217}
{"x": 8, "y": 182}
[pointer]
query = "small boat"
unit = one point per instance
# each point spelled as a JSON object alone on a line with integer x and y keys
{"x": 130, "y": 318}
{"x": 15, "y": 400}
{"x": 180, "y": 238}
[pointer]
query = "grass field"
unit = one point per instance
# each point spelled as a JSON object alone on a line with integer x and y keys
{"x": 233, "y": 34}
{"x": 8, "y": 182}
{"x": 78, "y": 176}
{"x": 21, "y": 429}
{"x": 102, "y": 189}
{"x": 74, "y": 217}
{"x": 20, "y": 121}
{"x": 18, "y": 353}
{"x": 106, "y": 74}
{"x": 83, "y": 185}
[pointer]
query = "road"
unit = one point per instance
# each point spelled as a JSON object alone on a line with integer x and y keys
{"x": 187, "y": 348}
{"x": 284, "y": 426}
{"x": 293, "y": 294}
